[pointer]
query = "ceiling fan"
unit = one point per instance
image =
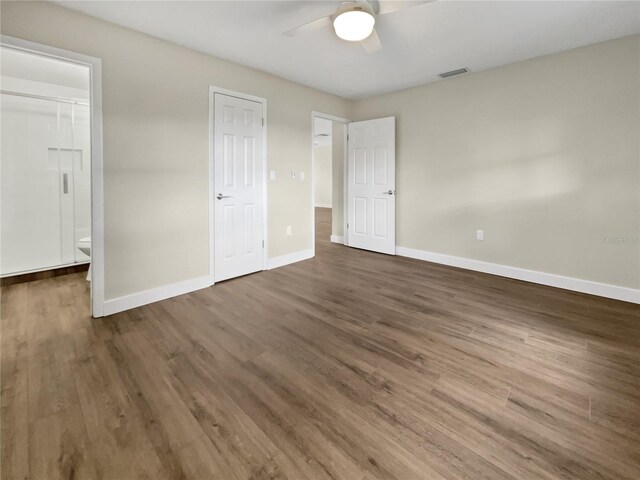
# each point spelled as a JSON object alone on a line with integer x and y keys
{"x": 355, "y": 20}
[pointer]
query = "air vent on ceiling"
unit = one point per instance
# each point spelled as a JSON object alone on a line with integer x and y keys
{"x": 453, "y": 73}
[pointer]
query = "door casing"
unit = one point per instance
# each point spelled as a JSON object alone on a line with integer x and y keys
{"x": 212, "y": 91}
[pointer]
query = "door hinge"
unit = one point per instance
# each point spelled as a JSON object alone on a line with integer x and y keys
{"x": 263, "y": 122}
{"x": 262, "y": 243}
{"x": 347, "y": 137}
{"x": 347, "y": 225}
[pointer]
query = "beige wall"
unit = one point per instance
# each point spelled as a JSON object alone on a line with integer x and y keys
{"x": 322, "y": 175}
{"x": 542, "y": 155}
{"x": 155, "y": 113}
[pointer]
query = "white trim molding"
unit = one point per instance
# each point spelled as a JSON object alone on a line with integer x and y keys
{"x": 134, "y": 300}
{"x": 337, "y": 239}
{"x": 323, "y": 205}
{"x": 568, "y": 283}
{"x": 288, "y": 259}
{"x": 327, "y": 116}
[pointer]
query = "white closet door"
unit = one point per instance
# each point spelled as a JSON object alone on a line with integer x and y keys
{"x": 238, "y": 172}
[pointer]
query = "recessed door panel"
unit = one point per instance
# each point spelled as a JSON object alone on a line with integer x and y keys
{"x": 249, "y": 221}
{"x": 380, "y": 208}
{"x": 360, "y": 216}
{"x": 371, "y": 191}
{"x": 228, "y": 164}
{"x": 360, "y": 166}
{"x": 248, "y": 118}
{"x": 227, "y": 226}
{"x": 249, "y": 161}
{"x": 380, "y": 133}
{"x": 380, "y": 166}
{"x": 238, "y": 187}
{"x": 228, "y": 111}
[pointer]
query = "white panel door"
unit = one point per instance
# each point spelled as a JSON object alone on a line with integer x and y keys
{"x": 238, "y": 187}
{"x": 371, "y": 187}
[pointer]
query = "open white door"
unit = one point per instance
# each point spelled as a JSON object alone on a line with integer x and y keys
{"x": 371, "y": 185}
{"x": 238, "y": 187}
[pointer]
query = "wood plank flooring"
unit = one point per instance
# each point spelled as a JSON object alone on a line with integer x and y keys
{"x": 351, "y": 365}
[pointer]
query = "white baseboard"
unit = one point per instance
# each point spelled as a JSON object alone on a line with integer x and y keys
{"x": 568, "y": 283}
{"x": 134, "y": 300}
{"x": 294, "y": 257}
{"x": 323, "y": 205}
{"x": 337, "y": 239}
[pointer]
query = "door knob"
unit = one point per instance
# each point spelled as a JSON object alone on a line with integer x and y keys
{"x": 221, "y": 196}
{"x": 389, "y": 192}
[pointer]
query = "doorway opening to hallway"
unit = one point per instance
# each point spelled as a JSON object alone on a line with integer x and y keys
{"x": 329, "y": 141}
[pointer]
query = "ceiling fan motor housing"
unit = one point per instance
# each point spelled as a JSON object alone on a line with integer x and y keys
{"x": 355, "y": 6}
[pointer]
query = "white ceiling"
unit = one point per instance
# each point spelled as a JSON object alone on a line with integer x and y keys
{"x": 418, "y": 43}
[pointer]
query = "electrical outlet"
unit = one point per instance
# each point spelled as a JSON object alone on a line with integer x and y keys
{"x": 272, "y": 175}
{"x": 293, "y": 174}
{"x": 479, "y": 234}
{"x": 301, "y": 176}
{"x": 288, "y": 229}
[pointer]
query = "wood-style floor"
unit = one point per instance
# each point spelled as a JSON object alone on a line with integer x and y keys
{"x": 349, "y": 366}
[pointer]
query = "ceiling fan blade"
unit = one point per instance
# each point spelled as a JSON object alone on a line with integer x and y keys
{"x": 308, "y": 27}
{"x": 391, "y": 6}
{"x": 372, "y": 43}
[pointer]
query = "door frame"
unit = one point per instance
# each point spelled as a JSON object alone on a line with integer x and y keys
{"x": 345, "y": 122}
{"x": 231, "y": 93}
{"x": 97, "y": 183}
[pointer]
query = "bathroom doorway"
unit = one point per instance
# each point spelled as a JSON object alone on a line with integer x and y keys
{"x": 47, "y": 136}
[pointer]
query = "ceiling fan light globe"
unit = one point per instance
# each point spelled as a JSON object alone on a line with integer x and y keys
{"x": 354, "y": 25}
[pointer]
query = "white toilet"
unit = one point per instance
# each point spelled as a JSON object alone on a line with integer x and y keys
{"x": 84, "y": 245}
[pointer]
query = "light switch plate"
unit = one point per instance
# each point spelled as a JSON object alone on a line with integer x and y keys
{"x": 272, "y": 175}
